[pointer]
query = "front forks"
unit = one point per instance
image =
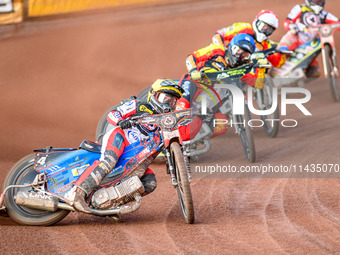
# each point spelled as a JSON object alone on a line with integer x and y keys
{"x": 171, "y": 167}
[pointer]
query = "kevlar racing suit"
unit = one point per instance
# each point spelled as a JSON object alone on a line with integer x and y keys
{"x": 299, "y": 18}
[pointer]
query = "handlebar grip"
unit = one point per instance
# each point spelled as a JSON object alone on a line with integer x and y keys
{"x": 134, "y": 122}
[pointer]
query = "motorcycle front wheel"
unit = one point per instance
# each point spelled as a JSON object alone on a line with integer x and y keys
{"x": 23, "y": 172}
{"x": 183, "y": 184}
{"x": 246, "y": 135}
{"x": 331, "y": 77}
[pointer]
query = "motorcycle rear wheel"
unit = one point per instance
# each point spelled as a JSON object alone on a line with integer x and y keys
{"x": 332, "y": 78}
{"x": 143, "y": 94}
{"x": 23, "y": 172}
{"x": 271, "y": 128}
{"x": 183, "y": 187}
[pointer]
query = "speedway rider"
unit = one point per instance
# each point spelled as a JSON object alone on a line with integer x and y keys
{"x": 162, "y": 98}
{"x": 214, "y": 58}
{"x": 301, "y": 17}
{"x": 262, "y": 27}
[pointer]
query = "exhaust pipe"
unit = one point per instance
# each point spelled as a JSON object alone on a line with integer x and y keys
{"x": 50, "y": 203}
{"x": 37, "y": 201}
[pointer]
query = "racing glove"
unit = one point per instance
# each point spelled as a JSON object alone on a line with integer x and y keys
{"x": 301, "y": 27}
{"x": 262, "y": 61}
{"x": 195, "y": 75}
{"x": 293, "y": 28}
{"x": 124, "y": 124}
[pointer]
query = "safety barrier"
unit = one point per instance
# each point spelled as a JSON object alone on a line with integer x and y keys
{"x": 11, "y": 11}
{"x": 16, "y": 11}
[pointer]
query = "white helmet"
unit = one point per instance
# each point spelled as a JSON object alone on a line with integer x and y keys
{"x": 264, "y": 25}
{"x": 316, "y": 5}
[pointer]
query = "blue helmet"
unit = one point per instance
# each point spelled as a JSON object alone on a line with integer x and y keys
{"x": 240, "y": 49}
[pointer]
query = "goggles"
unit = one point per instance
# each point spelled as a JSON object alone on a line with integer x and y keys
{"x": 265, "y": 28}
{"x": 239, "y": 53}
{"x": 318, "y": 2}
{"x": 165, "y": 98}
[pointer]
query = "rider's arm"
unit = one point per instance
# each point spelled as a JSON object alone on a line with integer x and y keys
{"x": 191, "y": 63}
{"x": 198, "y": 57}
{"x": 122, "y": 112}
{"x": 330, "y": 18}
{"x": 293, "y": 17}
{"x": 277, "y": 59}
{"x": 223, "y": 36}
{"x": 255, "y": 78}
{"x": 218, "y": 39}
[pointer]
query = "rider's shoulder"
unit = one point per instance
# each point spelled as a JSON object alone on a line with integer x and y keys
{"x": 241, "y": 25}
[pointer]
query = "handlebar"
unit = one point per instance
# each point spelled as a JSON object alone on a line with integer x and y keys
{"x": 240, "y": 71}
{"x": 164, "y": 120}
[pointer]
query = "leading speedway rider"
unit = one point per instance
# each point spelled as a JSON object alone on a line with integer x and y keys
{"x": 162, "y": 98}
{"x": 301, "y": 17}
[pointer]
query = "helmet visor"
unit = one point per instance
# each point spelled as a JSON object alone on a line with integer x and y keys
{"x": 165, "y": 98}
{"x": 318, "y": 2}
{"x": 265, "y": 28}
{"x": 240, "y": 54}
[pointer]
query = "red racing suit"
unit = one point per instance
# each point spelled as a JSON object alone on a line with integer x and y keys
{"x": 302, "y": 14}
{"x": 223, "y": 37}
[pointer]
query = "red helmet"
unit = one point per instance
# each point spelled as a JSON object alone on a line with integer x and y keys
{"x": 265, "y": 24}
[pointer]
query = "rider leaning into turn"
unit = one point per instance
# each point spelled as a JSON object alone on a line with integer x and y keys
{"x": 214, "y": 58}
{"x": 162, "y": 98}
{"x": 301, "y": 17}
{"x": 262, "y": 27}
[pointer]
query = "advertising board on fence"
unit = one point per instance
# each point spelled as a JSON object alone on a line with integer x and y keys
{"x": 11, "y": 11}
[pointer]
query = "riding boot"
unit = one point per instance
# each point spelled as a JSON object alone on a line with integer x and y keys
{"x": 91, "y": 178}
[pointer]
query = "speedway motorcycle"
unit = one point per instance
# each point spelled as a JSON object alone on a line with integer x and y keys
{"x": 220, "y": 100}
{"x": 35, "y": 187}
{"x": 293, "y": 71}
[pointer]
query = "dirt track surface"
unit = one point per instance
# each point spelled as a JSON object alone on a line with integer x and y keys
{"x": 59, "y": 76}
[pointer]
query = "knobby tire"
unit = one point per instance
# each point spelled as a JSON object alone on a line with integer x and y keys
{"x": 183, "y": 187}
{"x": 23, "y": 173}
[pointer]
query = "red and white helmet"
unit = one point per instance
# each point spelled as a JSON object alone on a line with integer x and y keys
{"x": 265, "y": 24}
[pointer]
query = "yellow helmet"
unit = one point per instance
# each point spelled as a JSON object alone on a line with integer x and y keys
{"x": 163, "y": 95}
